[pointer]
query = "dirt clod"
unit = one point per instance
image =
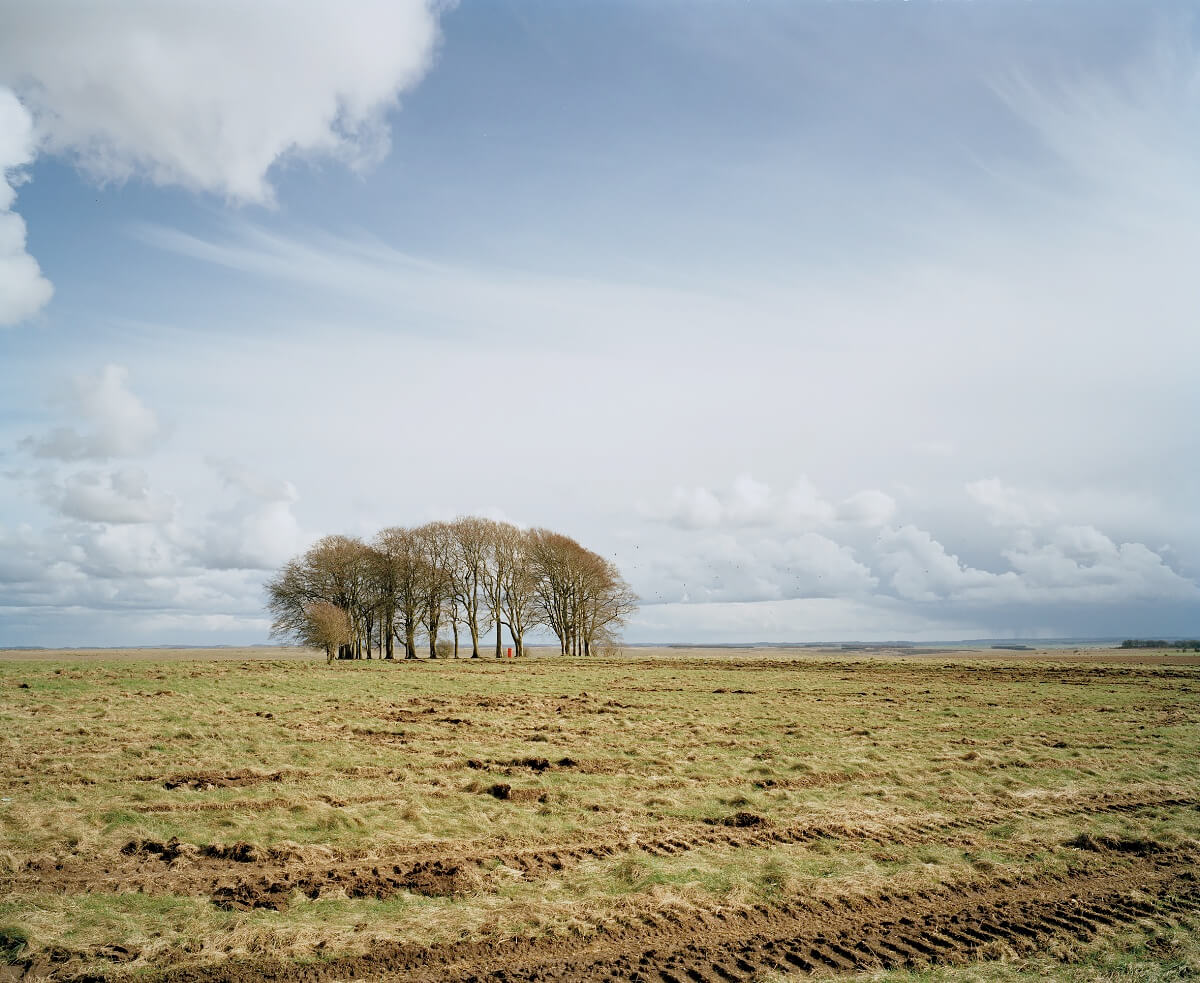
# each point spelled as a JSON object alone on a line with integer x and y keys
{"x": 741, "y": 820}
{"x": 436, "y": 879}
{"x": 1117, "y": 844}
{"x": 242, "y": 853}
{"x": 13, "y": 942}
{"x": 170, "y": 851}
{"x": 214, "y": 779}
{"x": 500, "y": 790}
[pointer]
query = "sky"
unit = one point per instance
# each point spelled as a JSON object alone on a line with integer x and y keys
{"x": 824, "y": 320}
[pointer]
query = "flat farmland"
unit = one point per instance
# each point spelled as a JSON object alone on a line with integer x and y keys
{"x": 667, "y": 815}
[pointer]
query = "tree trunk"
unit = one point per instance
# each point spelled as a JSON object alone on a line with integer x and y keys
{"x": 410, "y": 642}
{"x": 474, "y": 640}
{"x": 454, "y": 626}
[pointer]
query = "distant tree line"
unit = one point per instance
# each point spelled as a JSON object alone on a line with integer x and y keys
{"x": 349, "y": 596}
{"x": 1159, "y": 643}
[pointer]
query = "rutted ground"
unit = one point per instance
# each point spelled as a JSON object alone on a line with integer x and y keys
{"x": 244, "y": 875}
{"x": 999, "y": 918}
{"x": 563, "y": 819}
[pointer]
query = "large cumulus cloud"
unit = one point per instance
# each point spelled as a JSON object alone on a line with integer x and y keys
{"x": 207, "y": 96}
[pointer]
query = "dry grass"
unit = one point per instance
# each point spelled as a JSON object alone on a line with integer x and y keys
{"x": 372, "y": 758}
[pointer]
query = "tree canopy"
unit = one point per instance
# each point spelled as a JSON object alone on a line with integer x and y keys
{"x": 350, "y": 596}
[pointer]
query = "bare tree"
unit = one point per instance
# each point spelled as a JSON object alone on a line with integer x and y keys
{"x": 382, "y": 575}
{"x": 520, "y": 597}
{"x": 556, "y": 563}
{"x": 401, "y": 555}
{"x": 607, "y": 601}
{"x": 494, "y": 574}
{"x": 434, "y": 543}
{"x": 328, "y": 628}
{"x": 469, "y": 542}
{"x": 582, "y": 596}
{"x": 335, "y": 569}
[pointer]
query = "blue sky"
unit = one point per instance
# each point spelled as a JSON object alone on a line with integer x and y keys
{"x": 825, "y": 320}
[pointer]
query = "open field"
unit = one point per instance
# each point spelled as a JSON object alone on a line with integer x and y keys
{"x": 671, "y": 815}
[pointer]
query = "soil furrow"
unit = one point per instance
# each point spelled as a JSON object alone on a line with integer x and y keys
{"x": 846, "y": 934}
{"x": 245, "y": 876}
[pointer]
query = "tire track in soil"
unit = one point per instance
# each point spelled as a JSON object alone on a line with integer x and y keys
{"x": 544, "y": 861}
{"x": 245, "y": 877}
{"x": 915, "y": 939}
{"x": 848, "y": 934}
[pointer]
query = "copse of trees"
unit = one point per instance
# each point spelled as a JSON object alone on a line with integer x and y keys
{"x": 1161, "y": 643}
{"x": 351, "y": 597}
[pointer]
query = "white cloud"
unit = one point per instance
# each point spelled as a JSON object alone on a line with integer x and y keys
{"x": 692, "y": 508}
{"x": 21, "y": 558}
{"x": 123, "y": 495}
{"x": 1081, "y": 564}
{"x": 868, "y": 508}
{"x": 805, "y": 505}
{"x": 118, "y": 423}
{"x": 236, "y": 475}
{"x": 1008, "y": 506}
{"x": 750, "y": 500}
{"x": 210, "y": 95}
{"x": 747, "y": 501}
{"x": 23, "y": 289}
{"x": 128, "y": 553}
{"x": 922, "y": 570}
{"x": 754, "y": 566}
{"x": 259, "y": 530}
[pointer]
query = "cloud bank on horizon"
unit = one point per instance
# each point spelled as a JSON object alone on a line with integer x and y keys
{"x": 825, "y": 322}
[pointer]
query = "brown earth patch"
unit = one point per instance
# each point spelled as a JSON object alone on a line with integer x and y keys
{"x": 1117, "y": 844}
{"x": 989, "y": 919}
{"x": 204, "y": 780}
{"x": 435, "y": 878}
{"x": 506, "y": 793}
{"x": 380, "y": 736}
{"x": 529, "y": 763}
{"x": 741, "y": 820}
